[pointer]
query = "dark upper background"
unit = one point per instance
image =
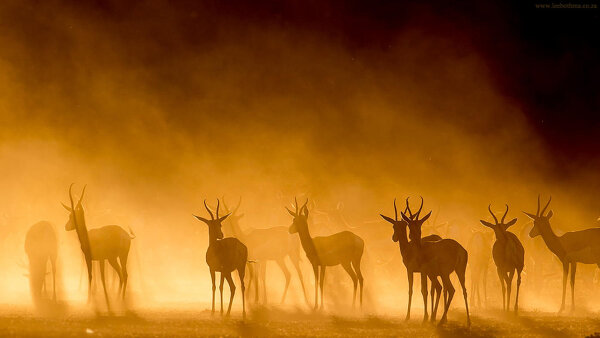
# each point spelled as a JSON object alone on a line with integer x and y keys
{"x": 545, "y": 59}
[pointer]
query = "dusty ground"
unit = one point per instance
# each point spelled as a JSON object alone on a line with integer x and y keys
{"x": 187, "y": 321}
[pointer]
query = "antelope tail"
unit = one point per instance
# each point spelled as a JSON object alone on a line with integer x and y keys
{"x": 132, "y": 236}
{"x": 249, "y": 261}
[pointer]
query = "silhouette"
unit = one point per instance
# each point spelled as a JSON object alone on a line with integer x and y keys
{"x": 509, "y": 256}
{"x": 479, "y": 247}
{"x": 343, "y": 248}
{"x": 110, "y": 243}
{"x": 409, "y": 258}
{"x": 573, "y": 247}
{"x": 262, "y": 251}
{"x": 224, "y": 255}
{"x": 439, "y": 259}
{"x": 41, "y": 247}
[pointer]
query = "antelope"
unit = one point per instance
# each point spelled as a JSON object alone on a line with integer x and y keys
{"x": 439, "y": 259}
{"x": 508, "y": 254}
{"x": 343, "y": 248}
{"x": 262, "y": 251}
{"x": 41, "y": 247}
{"x": 224, "y": 255}
{"x": 409, "y": 258}
{"x": 109, "y": 243}
{"x": 572, "y": 247}
{"x": 479, "y": 247}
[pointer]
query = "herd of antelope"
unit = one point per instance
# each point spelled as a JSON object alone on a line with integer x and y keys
{"x": 434, "y": 257}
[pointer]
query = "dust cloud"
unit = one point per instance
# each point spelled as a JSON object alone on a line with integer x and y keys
{"x": 161, "y": 108}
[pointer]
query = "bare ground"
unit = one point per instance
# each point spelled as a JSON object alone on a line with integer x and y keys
{"x": 186, "y": 321}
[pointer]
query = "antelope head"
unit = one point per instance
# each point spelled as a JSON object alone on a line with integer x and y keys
{"x": 539, "y": 219}
{"x": 233, "y": 215}
{"x": 214, "y": 223}
{"x": 76, "y": 214}
{"x": 414, "y": 223}
{"x": 300, "y": 217}
{"x": 398, "y": 225}
{"x": 498, "y": 227}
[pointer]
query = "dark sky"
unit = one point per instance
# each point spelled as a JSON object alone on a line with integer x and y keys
{"x": 544, "y": 59}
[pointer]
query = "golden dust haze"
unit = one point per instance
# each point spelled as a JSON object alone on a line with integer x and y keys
{"x": 155, "y": 119}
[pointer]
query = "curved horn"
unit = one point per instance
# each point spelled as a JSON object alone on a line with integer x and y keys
{"x": 209, "y": 212}
{"x": 547, "y": 204}
{"x": 224, "y": 204}
{"x": 71, "y": 196}
{"x": 304, "y": 206}
{"x": 395, "y": 210}
{"x": 504, "y": 216}
{"x": 82, "y": 193}
{"x": 237, "y": 207}
{"x": 537, "y": 213}
{"x": 420, "y": 208}
{"x": 218, "y": 208}
{"x": 296, "y": 204}
{"x": 490, "y": 209}
{"x": 408, "y": 207}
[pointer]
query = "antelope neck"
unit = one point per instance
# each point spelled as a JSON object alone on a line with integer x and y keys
{"x": 307, "y": 244}
{"x": 552, "y": 241}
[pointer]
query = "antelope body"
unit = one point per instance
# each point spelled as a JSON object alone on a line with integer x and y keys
{"x": 343, "y": 248}
{"x": 109, "y": 243}
{"x": 41, "y": 247}
{"x": 479, "y": 248}
{"x": 439, "y": 259}
{"x": 224, "y": 255}
{"x": 410, "y": 259}
{"x": 262, "y": 251}
{"x": 509, "y": 256}
{"x": 571, "y": 248}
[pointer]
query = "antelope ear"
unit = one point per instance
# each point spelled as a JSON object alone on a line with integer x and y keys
{"x": 425, "y": 218}
{"x": 305, "y": 212}
{"x": 406, "y": 219}
{"x": 389, "y": 219}
{"x": 512, "y": 222}
{"x": 66, "y": 207}
{"x": 550, "y": 214}
{"x": 291, "y": 212}
{"x": 487, "y": 224}
{"x": 221, "y": 219}
{"x": 201, "y": 218}
{"x": 529, "y": 215}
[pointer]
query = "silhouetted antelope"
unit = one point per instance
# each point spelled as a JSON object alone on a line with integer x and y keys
{"x": 509, "y": 256}
{"x": 262, "y": 251}
{"x": 343, "y": 248}
{"x": 410, "y": 259}
{"x": 479, "y": 249}
{"x": 224, "y": 255}
{"x": 109, "y": 242}
{"x": 573, "y": 247}
{"x": 41, "y": 247}
{"x": 439, "y": 258}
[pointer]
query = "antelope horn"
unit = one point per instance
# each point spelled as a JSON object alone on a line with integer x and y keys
{"x": 71, "y": 196}
{"x": 395, "y": 210}
{"x": 218, "y": 208}
{"x": 420, "y": 208}
{"x": 296, "y": 203}
{"x": 408, "y": 207}
{"x": 304, "y": 206}
{"x": 237, "y": 207}
{"x": 547, "y": 204}
{"x": 490, "y": 209}
{"x": 537, "y": 213}
{"x": 82, "y": 193}
{"x": 209, "y": 212}
{"x": 504, "y": 216}
{"x": 224, "y": 204}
